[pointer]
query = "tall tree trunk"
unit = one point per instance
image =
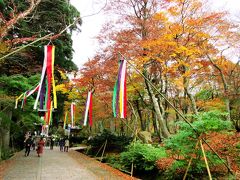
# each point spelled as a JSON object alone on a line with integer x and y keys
{"x": 127, "y": 126}
{"x": 142, "y": 121}
{"x": 135, "y": 120}
{"x": 5, "y": 128}
{"x": 147, "y": 122}
{"x": 6, "y": 131}
{"x": 112, "y": 125}
{"x": 155, "y": 126}
{"x": 100, "y": 126}
{"x": 121, "y": 129}
{"x": 227, "y": 103}
{"x": 1, "y": 135}
{"x": 6, "y": 138}
{"x": 184, "y": 104}
{"x": 160, "y": 119}
{"x": 225, "y": 86}
{"x": 190, "y": 96}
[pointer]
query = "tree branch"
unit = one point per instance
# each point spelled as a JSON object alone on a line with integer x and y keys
{"x": 23, "y": 47}
{"x": 9, "y": 24}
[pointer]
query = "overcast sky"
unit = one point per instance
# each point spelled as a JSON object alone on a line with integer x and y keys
{"x": 85, "y": 44}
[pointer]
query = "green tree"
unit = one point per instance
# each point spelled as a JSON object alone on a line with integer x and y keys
{"x": 182, "y": 145}
{"x": 10, "y": 120}
{"x": 47, "y": 17}
{"x": 20, "y": 23}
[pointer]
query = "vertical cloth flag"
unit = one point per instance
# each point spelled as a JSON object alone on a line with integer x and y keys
{"x": 47, "y": 90}
{"x": 24, "y": 99}
{"x": 73, "y": 112}
{"x": 48, "y": 115}
{"x": 25, "y": 96}
{"x": 88, "y": 110}
{"x": 65, "y": 120}
{"x": 119, "y": 101}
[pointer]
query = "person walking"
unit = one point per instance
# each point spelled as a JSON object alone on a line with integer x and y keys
{"x": 51, "y": 143}
{"x": 61, "y": 144}
{"x": 28, "y": 143}
{"x": 66, "y": 146}
{"x": 34, "y": 143}
{"x": 41, "y": 144}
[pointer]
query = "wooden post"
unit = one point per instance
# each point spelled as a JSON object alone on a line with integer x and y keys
{"x": 100, "y": 149}
{"x": 132, "y": 170}
{"x": 134, "y": 140}
{"x": 104, "y": 150}
{"x": 205, "y": 159}
{"x": 185, "y": 175}
{"x": 88, "y": 147}
{"x": 228, "y": 162}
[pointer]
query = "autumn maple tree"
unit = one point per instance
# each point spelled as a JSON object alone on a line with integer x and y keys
{"x": 177, "y": 45}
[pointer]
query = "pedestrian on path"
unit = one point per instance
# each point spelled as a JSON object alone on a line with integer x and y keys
{"x": 34, "y": 143}
{"x": 28, "y": 143}
{"x": 51, "y": 143}
{"x": 66, "y": 145}
{"x": 40, "y": 146}
{"x": 61, "y": 144}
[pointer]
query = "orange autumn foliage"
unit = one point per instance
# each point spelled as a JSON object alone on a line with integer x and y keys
{"x": 169, "y": 39}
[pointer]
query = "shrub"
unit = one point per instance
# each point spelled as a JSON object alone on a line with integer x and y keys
{"x": 78, "y": 139}
{"x": 238, "y": 146}
{"x": 238, "y": 157}
{"x": 143, "y": 156}
{"x": 6, "y": 153}
{"x": 182, "y": 145}
{"x": 114, "y": 142}
{"x": 114, "y": 161}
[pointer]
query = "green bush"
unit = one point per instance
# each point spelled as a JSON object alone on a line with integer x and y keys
{"x": 143, "y": 156}
{"x": 78, "y": 139}
{"x": 238, "y": 146}
{"x": 114, "y": 161}
{"x": 114, "y": 142}
{"x": 238, "y": 157}
{"x": 6, "y": 153}
{"x": 204, "y": 94}
{"x": 182, "y": 144}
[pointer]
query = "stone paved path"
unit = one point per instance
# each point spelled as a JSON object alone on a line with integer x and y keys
{"x": 53, "y": 165}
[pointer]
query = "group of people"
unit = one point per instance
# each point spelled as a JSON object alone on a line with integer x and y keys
{"x": 32, "y": 142}
{"x": 29, "y": 142}
{"x": 64, "y": 145}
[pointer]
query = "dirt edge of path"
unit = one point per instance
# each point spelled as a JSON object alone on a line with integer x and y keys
{"x": 5, "y": 165}
{"x": 109, "y": 170}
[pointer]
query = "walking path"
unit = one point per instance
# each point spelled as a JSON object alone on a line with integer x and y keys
{"x": 58, "y": 165}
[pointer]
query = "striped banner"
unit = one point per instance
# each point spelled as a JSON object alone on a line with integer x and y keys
{"x": 24, "y": 99}
{"x": 119, "y": 101}
{"x": 17, "y": 99}
{"x": 65, "y": 120}
{"x": 49, "y": 115}
{"x": 25, "y": 96}
{"x": 73, "y": 109}
{"x": 47, "y": 90}
{"x": 88, "y": 110}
